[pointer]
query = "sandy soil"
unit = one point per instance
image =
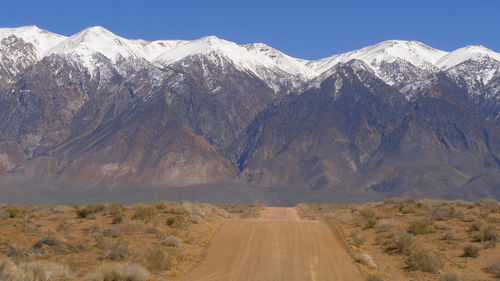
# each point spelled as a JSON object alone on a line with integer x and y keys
{"x": 278, "y": 246}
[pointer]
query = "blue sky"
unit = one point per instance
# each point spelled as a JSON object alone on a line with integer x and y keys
{"x": 306, "y": 29}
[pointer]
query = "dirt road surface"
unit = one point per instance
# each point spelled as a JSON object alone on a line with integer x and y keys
{"x": 277, "y": 247}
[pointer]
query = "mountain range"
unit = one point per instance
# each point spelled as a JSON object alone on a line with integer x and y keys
{"x": 95, "y": 112}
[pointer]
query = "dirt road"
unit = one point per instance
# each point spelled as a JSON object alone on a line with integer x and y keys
{"x": 277, "y": 247}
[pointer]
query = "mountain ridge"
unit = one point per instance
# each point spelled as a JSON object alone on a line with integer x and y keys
{"x": 97, "y": 110}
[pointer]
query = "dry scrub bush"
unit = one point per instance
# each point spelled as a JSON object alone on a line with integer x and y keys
{"x": 130, "y": 227}
{"x": 420, "y": 227}
{"x": 113, "y": 249}
{"x": 117, "y": 218}
{"x": 356, "y": 238}
{"x": 119, "y": 272}
{"x": 423, "y": 261}
{"x": 144, "y": 212}
{"x": 184, "y": 208}
{"x": 33, "y": 271}
{"x": 195, "y": 219}
{"x": 3, "y": 215}
{"x": 443, "y": 213}
{"x": 172, "y": 241}
{"x": 50, "y": 241}
{"x": 114, "y": 209}
{"x": 494, "y": 268}
{"x": 344, "y": 216}
{"x": 386, "y": 225}
{"x": 156, "y": 259}
{"x": 369, "y": 218}
{"x": 401, "y": 242}
{"x": 451, "y": 276}
{"x": 488, "y": 206}
{"x": 408, "y": 206}
{"x": 89, "y": 211}
{"x": 489, "y": 245}
{"x": 471, "y": 251}
{"x": 448, "y": 236}
{"x": 373, "y": 277}
{"x": 486, "y": 232}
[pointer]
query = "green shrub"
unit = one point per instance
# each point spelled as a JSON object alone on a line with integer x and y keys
{"x": 82, "y": 213}
{"x": 14, "y": 212}
{"x": 170, "y": 221}
{"x": 423, "y": 261}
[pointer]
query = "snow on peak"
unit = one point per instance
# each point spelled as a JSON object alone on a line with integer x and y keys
{"x": 258, "y": 58}
{"x": 200, "y": 46}
{"x": 41, "y": 39}
{"x": 471, "y": 52}
{"x": 281, "y": 60}
{"x": 95, "y": 40}
{"x": 239, "y": 55}
{"x": 150, "y": 50}
{"x": 414, "y": 52}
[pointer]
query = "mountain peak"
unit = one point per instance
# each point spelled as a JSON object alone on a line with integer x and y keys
{"x": 470, "y": 52}
{"x": 416, "y": 53}
{"x": 41, "y": 39}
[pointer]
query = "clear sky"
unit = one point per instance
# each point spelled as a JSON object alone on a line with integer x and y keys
{"x": 309, "y": 29}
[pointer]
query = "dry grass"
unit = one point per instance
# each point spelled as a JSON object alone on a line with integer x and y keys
{"x": 451, "y": 276}
{"x": 33, "y": 271}
{"x": 416, "y": 240}
{"x": 119, "y": 272}
{"x": 424, "y": 261}
{"x": 161, "y": 241}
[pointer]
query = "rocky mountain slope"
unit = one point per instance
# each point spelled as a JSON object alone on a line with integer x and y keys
{"x": 95, "y": 110}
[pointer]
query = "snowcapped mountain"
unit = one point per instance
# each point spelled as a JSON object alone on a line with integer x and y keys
{"x": 96, "y": 109}
{"x": 416, "y": 53}
{"x": 397, "y": 62}
{"x": 275, "y": 68}
{"x": 21, "y": 47}
{"x": 85, "y": 45}
{"x": 385, "y": 57}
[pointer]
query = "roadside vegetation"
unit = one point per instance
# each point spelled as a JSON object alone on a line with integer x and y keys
{"x": 404, "y": 239}
{"x": 104, "y": 242}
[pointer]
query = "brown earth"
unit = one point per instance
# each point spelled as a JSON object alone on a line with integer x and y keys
{"x": 278, "y": 246}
